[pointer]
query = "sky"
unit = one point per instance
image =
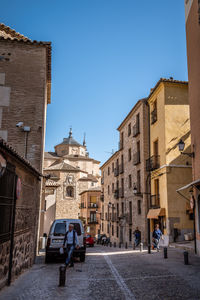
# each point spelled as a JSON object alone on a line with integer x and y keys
{"x": 106, "y": 55}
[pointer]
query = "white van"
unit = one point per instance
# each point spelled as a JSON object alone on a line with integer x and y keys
{"x": 56, "y": 238}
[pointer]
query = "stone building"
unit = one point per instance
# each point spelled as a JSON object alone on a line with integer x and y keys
{"x": 19, "y": 212}
{"x": 90, "y": 210}
{"x": 170, "y": 170}
{"x": 70, "y": 171}
{"x": 124, "y": 180}
{"x": 192, "y": 20}
{"x": 25, "y": 91}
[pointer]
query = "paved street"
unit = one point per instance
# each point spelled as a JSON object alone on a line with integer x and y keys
{"x": 112, "y": 273}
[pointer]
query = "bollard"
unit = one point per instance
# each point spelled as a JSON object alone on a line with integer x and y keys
{"x": 62, "y": 275}
{"x": 119, "y": 245}
{"x": 186, "y": 261}
{"x": 165, "y": 252}
{"x": 133, "y": 246}
{"x": 126, "y": 245}
{"x": 110, "y": 244}
{"x": 115, "y": 244}
{"x": 141, "y": 247}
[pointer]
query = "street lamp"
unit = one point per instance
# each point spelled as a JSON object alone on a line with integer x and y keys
{"x": 181, "y": 147}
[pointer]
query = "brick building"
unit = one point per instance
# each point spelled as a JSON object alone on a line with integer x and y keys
{"x": 90, "y": 210}
{"x": 124, "y": 180}
{"x": 71, "y": 172}
{"x": 25, "y": 91}
{"x": 19, "y": 212}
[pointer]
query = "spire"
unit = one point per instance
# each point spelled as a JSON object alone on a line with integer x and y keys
{"x": 70, "y": 132}
{"x": 84, "y": 142}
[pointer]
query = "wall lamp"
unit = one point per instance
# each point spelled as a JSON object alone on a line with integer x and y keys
{"x": 181, "y": 146}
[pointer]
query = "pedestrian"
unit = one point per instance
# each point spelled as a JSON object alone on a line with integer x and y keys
{"x": 70, "y": 242}
{"x": 156, "y": 236}
{"x": 137, "y": 235}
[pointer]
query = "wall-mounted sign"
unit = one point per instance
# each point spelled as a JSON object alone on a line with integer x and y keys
{"x": 18, "y": 188}
{"x": 2, "y": 165}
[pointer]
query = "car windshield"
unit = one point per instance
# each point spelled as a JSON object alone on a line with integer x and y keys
{"x": 77, "y": 228}
{"x": 60, "y": 229}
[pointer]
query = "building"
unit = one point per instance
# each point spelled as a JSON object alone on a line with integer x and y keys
{"x": 70, "y": 171}
{"x": 192, "y": 18}
{"x": 124, "y": 180}
{"x": 25, "y": 91}
{"x": 19, "y": 212}
{"x": 90, "y": 210}
{"x": 169, "y": 169}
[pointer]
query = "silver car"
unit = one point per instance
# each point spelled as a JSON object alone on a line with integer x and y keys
{"x": 56, "y": 238}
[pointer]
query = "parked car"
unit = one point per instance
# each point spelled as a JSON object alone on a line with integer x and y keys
{"x": 56, "y": 238}
{"x": 89, "y": 241}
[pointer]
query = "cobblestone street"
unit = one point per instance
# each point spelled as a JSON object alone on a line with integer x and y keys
{"x": 112, "y": 273}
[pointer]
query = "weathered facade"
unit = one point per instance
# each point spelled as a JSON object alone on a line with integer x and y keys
{"x": 19, "y": 212}
{"x": 71, "y": 171}
{"x": 25, "y": 91}
{"x": 124, "y": 180}
{"x": 192, "y": 16}
{"x": 169, "y": 123}
{"x": 90, "y": 210}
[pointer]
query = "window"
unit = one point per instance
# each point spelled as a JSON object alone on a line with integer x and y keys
{"x": 113, "y": 187}
{"x": 117, "y": 209}
{"x": 77, "y": 227}
{"x": 102, "y": 226}
{"x": 154, "y": 112}
{"x": 138, "y": 150}
{"x": 139, "y": 207}
{"x": 122, "y": 206}
{"x": 129, "y": 154}
{"x": 108, "y": 171}
{"x": 129, "y": 129}
{"x": 112, "y": 229}
{"x": 93, "y": 216}
{"x": 108, "y": 190}
{"x": 60, "y": 229}
{"x": 113, "y": 167}
{"x": 121, "y": 140}
{"x": 130, "y": 212}
{"x": 129, "y": 181}
{"x": 138, "y": 182}
{"x": 108, "y": 228}
{"x": 70, "y": 191}
{"x": 138, "y": 122}
{"x": 130, "y": 235}
{"x": 117, "y": 231}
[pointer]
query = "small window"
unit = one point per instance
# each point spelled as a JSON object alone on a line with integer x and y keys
{"x": 129, "y": 154}
{"x": 112, "y": 229}
{"x": 113, "y": 187}
{"x": 108, "y": 171}
{"x": 130, "y": 235}
{"x": 77, "y": 228}
{"x": 108, "y": 190}
{"x": 102, "y": 226}
{"x": 129, "y": 181}
{"x": 108, "y": 228}
{"x": 139, "y": 207}
{"x": 129, "y": 129}
{"x": 70, "y": 191}
{"x": 117, "y": 231}
{"x": 60, "y": 229}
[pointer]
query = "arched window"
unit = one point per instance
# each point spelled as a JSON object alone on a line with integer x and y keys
{"x": 70, "y": 191}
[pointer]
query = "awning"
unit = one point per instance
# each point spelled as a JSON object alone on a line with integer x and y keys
{"x": 155, "y": 213}
{"x": 188, "y": 185}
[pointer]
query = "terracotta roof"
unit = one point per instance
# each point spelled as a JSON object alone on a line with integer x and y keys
{"x": 52, "y": 155}
{"x": 62, "y": 166}
{"x": 90, "y": 177}
{"x": 9, "y": 34}
{"x": 4, "y": 147}
{"x": 52, "y": 183}
{"x": 97, "y": 189}
{"x": 170, "y": 80}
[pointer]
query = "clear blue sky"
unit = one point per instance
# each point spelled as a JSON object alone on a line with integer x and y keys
{"x": 106, "y": 55}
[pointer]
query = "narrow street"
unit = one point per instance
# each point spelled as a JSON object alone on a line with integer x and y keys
{"x": 112, "y": 273}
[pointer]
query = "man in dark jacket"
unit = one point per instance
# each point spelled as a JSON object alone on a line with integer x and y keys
{"x": 137, "y": 235}
{"x": 70, "y": 242}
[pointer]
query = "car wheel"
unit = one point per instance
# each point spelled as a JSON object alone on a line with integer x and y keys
{"x": 82, "y": 257}
{"x": 48, "y": 258}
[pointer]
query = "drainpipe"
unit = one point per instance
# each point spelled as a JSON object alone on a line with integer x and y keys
{"x": 148, "y": 188}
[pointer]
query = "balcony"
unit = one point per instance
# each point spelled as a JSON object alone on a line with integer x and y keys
{"x": 121, "y": 193}
{"x": 136, "y": 158}
{"x": 121, "y": 169}
{"x": 93, "y": 222}
{"x": 116, "y": 171}
{"x": 155, "y": 201}
{"x": 153, "y": 163}
{"x": 153, "y": 116}
{"x": 116, "y": 194}
{"x": 102, "y": 197}
{"x": 102, "y": 180}
{"x": 136, "y": 129}
{"x": 92, "y": 205}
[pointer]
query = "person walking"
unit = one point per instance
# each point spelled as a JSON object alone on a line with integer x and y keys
{"x": 157, "y": 234}
{"x": 70, "y": 242}
{"x": 137, "y": 235}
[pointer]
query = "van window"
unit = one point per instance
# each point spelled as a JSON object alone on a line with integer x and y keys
{"x": 77, "y": 227}
{"x": 60, "y": 229}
